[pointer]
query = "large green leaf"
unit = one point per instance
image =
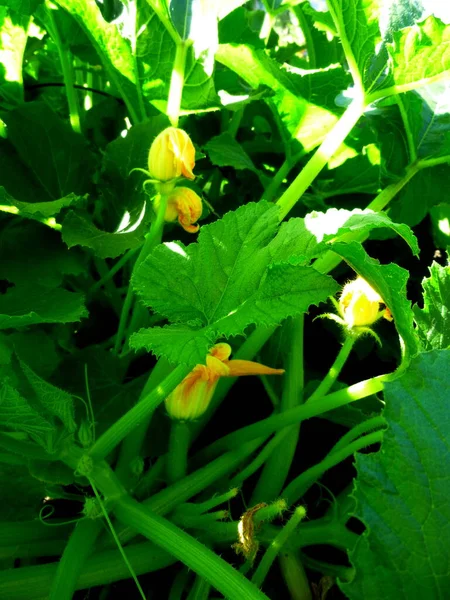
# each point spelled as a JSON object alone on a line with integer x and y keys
{"x": 227, "y": 281}
{"x": 427, "y": 115}
{"x": 303, "y": 99}
{"x": 58, "y": 159}
{"x": 79, "y": 230}
{"x": 26, "y": 305}
{"x": 35, "y": 210}
{"x": 390, "y": 282}
{"x": 16, "y": 414}
{"x": 304, "y": 239}
{"x": 433, "y": 320}
{"x": 402, "y": 491}
{"x": 35, "y": 255}
{"x": 420, "y": 52}
{"x": 57, "y": 402}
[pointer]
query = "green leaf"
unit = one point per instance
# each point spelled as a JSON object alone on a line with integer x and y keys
{"x": 420, "y": 52}
{"x": 16, "y": 414}
{"x": 358, "y": 175}
{"x": 37, "y": 349}
{"x": 35, "y": 255}
{"x": 58, "y": 159}
{"x": 433, "y": 320}
{"x": 304, "y": 100}
{"x": 54, "y": 472}
{"x": 427, "y": 115}
{"x": 332, "y": 225}
{"x": 228, "y": 280}
{"x": 236, "y": 28}
{"x": 35, "y": 210}
{"x": 56, "y": 401}
{"x": 224, "y": 151}
{"x": 26, "y": 305}
{"x": 419, "y": 196}
{"x": 301, "y": 240}
{"x": 321, "y": 51}
{"x": 402, "y": 491}
{"x": 14, "y": 26}
{"x": 390, "y": 282}
{"x": 172, "y": 340}
{"x": 156, "y": 54}
{"x": 357, "y": 26}
{"x": 22, "y": 7}
{"x": 113, "y": 49}
{"x": 78, "y": 230}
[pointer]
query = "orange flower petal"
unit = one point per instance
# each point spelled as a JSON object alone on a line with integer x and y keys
{"x": 238, "y": 368}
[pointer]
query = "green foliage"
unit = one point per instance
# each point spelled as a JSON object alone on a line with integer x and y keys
{"x": 226, "y": 282}
{"x": 401, "y": 494}
{"x": 321, "y": 136}
{"x": 433, "y": 320}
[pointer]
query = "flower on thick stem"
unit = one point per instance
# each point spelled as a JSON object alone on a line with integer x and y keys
{"x": 191, "y": 398}
{"x": 359, "y": 307}
{"x": 182, "y": 204}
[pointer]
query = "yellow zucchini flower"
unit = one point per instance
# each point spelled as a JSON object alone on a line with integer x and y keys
{"x": 190, "y": 399}
{"x": 171, "y": 155}
{"x": 182, "y": 204}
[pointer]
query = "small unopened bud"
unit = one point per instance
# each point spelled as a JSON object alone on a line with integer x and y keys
{"x": 182, "y": 204}
{"x": 172, "y": 155}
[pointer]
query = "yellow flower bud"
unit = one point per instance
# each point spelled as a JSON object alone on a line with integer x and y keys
{"x": 171, "y": 155}
{"x": 359, "y": 304}
{"x": 182, "y": 204}
{"x": 191, "y": 398}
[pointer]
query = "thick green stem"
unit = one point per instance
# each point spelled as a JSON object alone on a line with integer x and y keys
{"x": 177, "y": 493}
{"x": 133, "y": 18}
{"x": 328, "y": 381}
{"x": 65, "y": 58}
{"x": 134, "y": 417}
{"x": 132, "y": 445}
{"x": 177, "y": 82}
{"x": 294, "y": 575}
{"x": 276, "y": 545}
{"x": 72, "y": 562}
{"x": 152, "y": 240}
{"x": 276, "y": 469}
{"x": 200, "y": 590}
{"x": 257, "y": 463}
{"x": 32, "y": 583}
{"x": 192, "y": 553}
{"x": 321, "y": 157}
{"x": 178, "y": 450}
{"x": 301, "y": 484}
{"x": 370, "y": 424}
{"x": 301, "y": 413}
